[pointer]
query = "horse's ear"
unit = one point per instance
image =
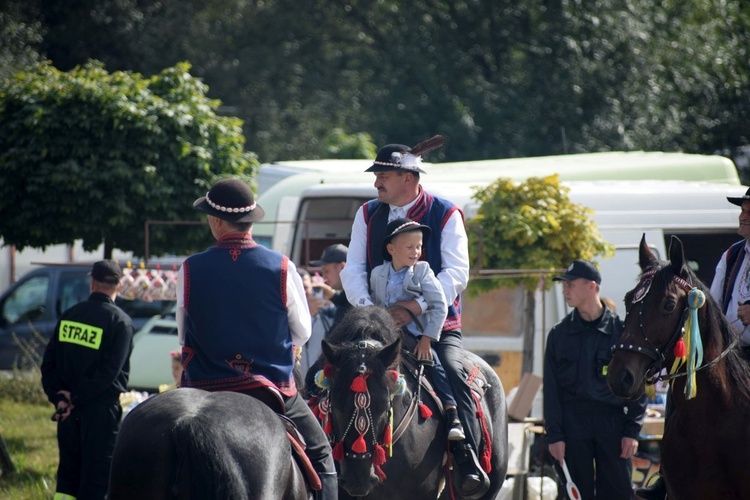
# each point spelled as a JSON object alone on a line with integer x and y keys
{"x": 646, "y": 258}
{"x": 389, "y": 354}
{"x": 676, "y": 255}
{"x": 329, "y": 352}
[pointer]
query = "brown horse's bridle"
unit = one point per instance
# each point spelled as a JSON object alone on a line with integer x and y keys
{"x": 656, "y": 354}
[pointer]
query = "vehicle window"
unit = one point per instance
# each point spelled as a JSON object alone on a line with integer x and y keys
{"x": 74, "y": 288}
{"x": 143, "y": 309}
{"x": 27, "y": 302}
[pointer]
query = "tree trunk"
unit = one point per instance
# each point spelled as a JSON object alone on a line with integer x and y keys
{"x": 527, "y": 363}
{"x": 107, "y": 249}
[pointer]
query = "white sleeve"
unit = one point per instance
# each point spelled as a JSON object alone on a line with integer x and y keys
{"x": 300, "y": 322}
{"x": 180, "y": 312}
{"x": 354, "y": 274}
{"x": 717, "y": 285}
{"x": 454, "y": 253}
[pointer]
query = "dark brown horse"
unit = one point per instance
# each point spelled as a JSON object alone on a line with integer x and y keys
{"x": 363, "y": 353}
{"x": 706, "y": 445}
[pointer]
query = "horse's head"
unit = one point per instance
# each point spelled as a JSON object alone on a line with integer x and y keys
{"x": 656, "y": 310}
{"x": 363, "y": 381}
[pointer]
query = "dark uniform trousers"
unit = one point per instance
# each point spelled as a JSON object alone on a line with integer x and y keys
{"x": 86, "y": 440}
{"x": 450, "y": 350}
{"x": 596, "y": 430}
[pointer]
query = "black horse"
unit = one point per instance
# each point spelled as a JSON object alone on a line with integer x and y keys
{"x": 385, "y": 446}
{"x": 189, "y": 443}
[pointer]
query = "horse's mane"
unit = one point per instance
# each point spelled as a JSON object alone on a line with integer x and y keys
{"x": 731, "y": 374}
{"x": 373, "y": 323}
{"x": 365, "y": 323}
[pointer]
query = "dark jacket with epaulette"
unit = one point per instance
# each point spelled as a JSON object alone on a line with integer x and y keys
{"x": 89, "y": 353}
{"x": 575, "y": 372}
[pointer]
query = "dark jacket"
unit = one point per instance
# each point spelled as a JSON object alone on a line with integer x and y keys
{"x": 89, "y": 353}
{"x": 575, "y": 373}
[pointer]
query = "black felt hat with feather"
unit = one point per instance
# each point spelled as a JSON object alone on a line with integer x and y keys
{"x": 397, "y": 157}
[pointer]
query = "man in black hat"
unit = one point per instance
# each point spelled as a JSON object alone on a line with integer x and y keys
{"x": 84, "y": 370}
{"x": 397, "y": 170}
{"x": 731, "y": 289}
{"x": 731, "y": 284}
{"x": 241, "y": 310}
{"x": 587, "y": 426}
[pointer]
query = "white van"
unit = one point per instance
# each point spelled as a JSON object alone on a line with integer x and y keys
{"x": 307, "y": 212}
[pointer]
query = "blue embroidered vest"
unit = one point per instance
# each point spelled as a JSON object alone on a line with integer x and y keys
{"x": 735, "y": 256}
{"x": 237, "y": 333}
{"x": 428, "y": 210}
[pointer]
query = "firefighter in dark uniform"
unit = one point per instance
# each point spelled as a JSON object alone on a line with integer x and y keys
{"x": 587, "y": 426}
{"x": 84, "y": 370}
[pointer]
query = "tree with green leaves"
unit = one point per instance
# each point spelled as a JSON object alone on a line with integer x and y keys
{"x": 529, "y": 226}
{"x": 92, "y": 155}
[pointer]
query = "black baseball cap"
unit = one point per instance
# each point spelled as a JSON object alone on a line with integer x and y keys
{"x": 333, "y": 254}
{"x": 580, "y": 269}
{"x": 106, "y": 271}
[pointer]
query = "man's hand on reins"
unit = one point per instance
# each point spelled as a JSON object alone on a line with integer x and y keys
{"x": 400, "y": 312}
{"x": 743, "y": 312}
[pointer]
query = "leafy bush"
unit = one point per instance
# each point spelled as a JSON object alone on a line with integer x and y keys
{"x": 531, "y": 225}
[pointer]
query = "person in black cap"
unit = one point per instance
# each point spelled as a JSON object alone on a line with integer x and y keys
{"x": 587, "y": 426}
{"x": 241, "y": 310}
{"x": 332, "y": 262}
{"x": 730, "y": 288}
{"x": 84, "y": 369}
{"x": 397, "y": 170}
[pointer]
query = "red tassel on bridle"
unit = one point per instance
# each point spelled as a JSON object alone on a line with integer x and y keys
{"x": 338, "y": 451}
{"x": 424, "y": 410}
{"x": 359, "y": 445}
{"x": 679, "y": 348}
{"x": 359, "y": 384}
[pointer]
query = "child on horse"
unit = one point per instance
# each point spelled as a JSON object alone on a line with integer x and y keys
{"x": 404, "y": 277}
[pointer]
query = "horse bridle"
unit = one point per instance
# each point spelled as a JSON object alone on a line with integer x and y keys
{"x": 656, "y": 354}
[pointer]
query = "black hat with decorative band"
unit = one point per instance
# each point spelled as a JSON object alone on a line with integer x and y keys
{"x": 231, "y": 200}
{"x": 397, "y": 157}
{"x": 739, "y": 199}
{"x": 399, "y": 226}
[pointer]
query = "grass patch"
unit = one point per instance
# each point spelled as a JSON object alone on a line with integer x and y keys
{"x": 31, "y": 440}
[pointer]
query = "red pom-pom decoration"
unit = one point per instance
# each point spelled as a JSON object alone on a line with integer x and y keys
{"x": 328, "y": 427}
{"x": 378, "y": 455}
{"x": 484, "y": 461}
{"x": 359, "y": 445}
{"x": 424, "y": 411}
{"x": 359, "y": 384}
{"x": 379, "y": 472}
{"x": 387, "y": 435}
{"x": 328, "y": 370}
{"x": 679, "y": 348}
{"x": 338, "y": 451}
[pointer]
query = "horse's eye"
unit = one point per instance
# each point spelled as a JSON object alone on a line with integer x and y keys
{"x": 668, "y": 305}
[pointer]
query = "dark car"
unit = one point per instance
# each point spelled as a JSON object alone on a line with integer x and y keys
{"x": 30, "y": 308}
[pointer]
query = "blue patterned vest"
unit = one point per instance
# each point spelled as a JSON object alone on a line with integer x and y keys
{"x": 237, "y": 333}
{"x": 428, "y": 210}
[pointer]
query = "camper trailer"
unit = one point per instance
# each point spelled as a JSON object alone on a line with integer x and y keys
{"x": 631, "y": 194}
